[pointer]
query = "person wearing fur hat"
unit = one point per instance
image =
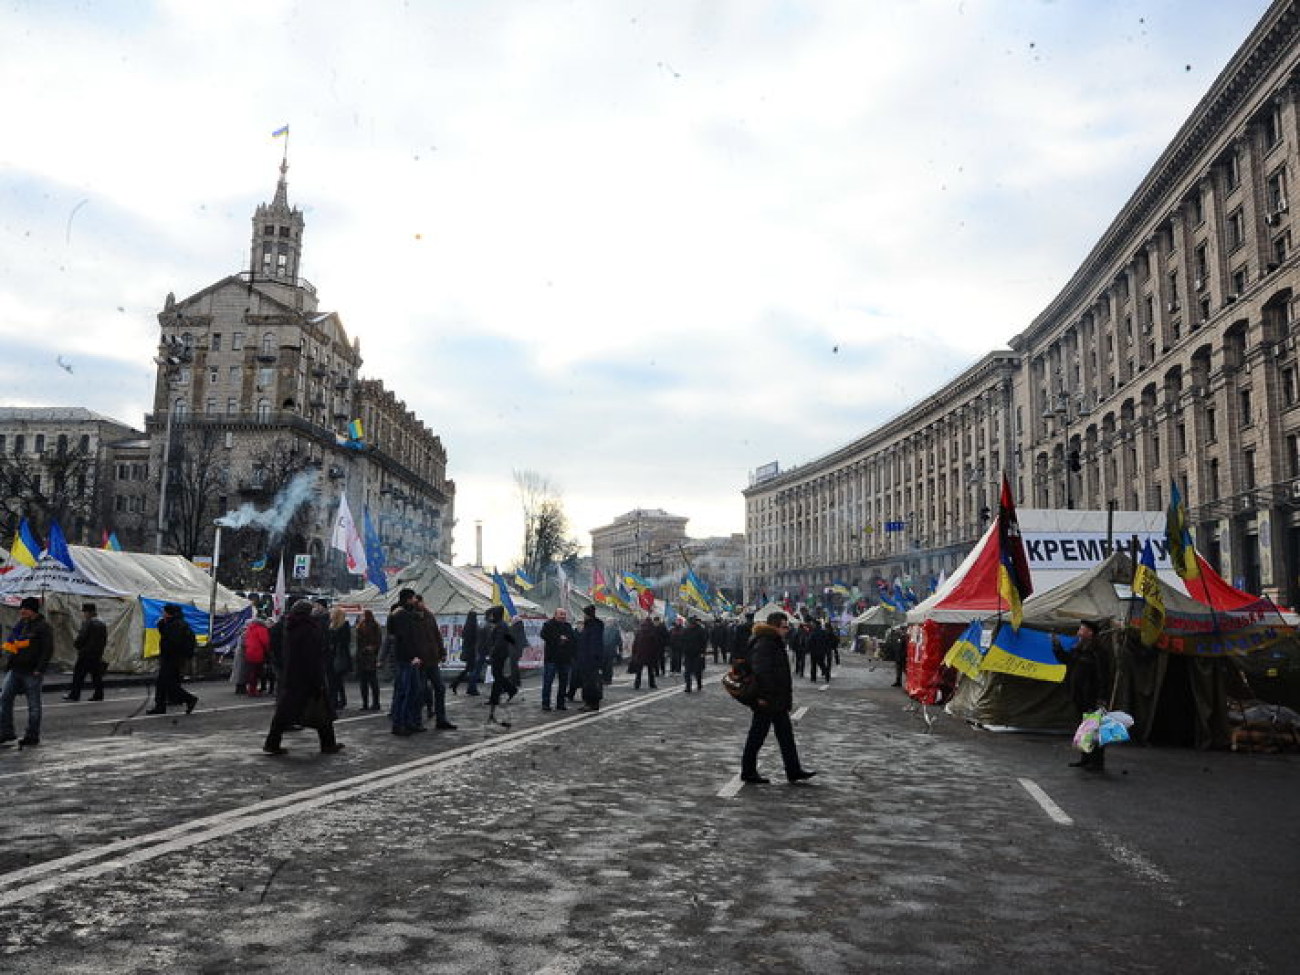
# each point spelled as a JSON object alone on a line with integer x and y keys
{"x": 28, "y": 651}
{"x": 175, "y": 646}
{"x": 767, "y": 660}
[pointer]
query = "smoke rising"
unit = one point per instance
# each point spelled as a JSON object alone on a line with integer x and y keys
{"x": 302, "y": 489}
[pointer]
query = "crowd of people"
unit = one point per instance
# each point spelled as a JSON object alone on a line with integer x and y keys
{"x": 306, "y": 657}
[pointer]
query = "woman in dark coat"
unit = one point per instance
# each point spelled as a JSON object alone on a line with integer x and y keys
{"x": 647, "y": 645}
{"x": 370, "y": 637}
{"x": 770, "y": 666}
{"x": 468, "y": 654}
{"x": 339, "y": 658}
{"x": 303, "y": 697}
{"x": 588, "y": 661}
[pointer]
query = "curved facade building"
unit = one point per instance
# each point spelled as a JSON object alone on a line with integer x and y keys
{"x": 1169, "y": 356}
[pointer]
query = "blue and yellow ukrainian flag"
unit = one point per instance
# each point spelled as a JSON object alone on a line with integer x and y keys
{"x": 25, "y": 548}
{"x": 501, "y": 595}
{"x": 638, "y": 582}
{"x": 695, "y": 591}
{"x": 523, "y": 580}
{"x": 282, "y": 130}
{"x": 966, "y": 654}
{"x": 355, "y": 431}
{"x": 1147, "y": 585}
{"x": 1026, "y": 653}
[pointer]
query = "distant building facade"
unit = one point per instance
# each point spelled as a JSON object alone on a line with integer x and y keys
{"x": 57, "y": 464}
{"x": 642, "y": 540}
{"x": 1169, "y": 357}
{"x": 257, "y": 386}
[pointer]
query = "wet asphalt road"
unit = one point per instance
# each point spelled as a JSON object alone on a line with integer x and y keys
{"x": 620, "y": 842}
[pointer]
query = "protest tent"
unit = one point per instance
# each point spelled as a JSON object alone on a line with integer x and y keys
{"x": 129, "y": 590}
{"x": 447, "y": 591}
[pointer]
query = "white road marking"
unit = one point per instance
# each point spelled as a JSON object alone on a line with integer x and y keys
{"x": 561, "y": 965}
{"x": 823, "y": 689}
{"x": 179, "y": 711}
{"x": 1135, "y": 861}
{"x": 732, "y": 788}
{"x": 40, "y": 878}
{"x": 1057, "y": 814}
{"x": 799, "y": 714}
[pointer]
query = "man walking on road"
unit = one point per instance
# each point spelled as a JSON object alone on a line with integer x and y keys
{"x": 587, "y": 664}
{"x": 91, "y": 640}
{"x": 770, "y": 666}
{"x": 29, "y": 649}
{"x": 175, "y": 646}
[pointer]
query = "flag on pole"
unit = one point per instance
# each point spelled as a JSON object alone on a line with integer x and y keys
{"x": 1147, "y": 585}
{"x": 695, "y": 591}
{"x": 258, "y": 564}
{"x": 57, "y": 548}
{"x": 374, "y": 553}
{"x": 523, "y": 580}
{"x": 1014, "y": 583}
{"x": 599, "y": 587}
{"x": 281, "y": 593}
{"x": 1178, "y": 536}
{"x": 347, "y": 539}
{"x": 25, "y": 548}
{"x": 501, "y": 595}
{"x": 282, "y": 130}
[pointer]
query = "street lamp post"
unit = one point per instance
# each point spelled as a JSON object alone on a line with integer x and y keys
{"x": 172, "y": 357}
{"x": 1070, "y": 461}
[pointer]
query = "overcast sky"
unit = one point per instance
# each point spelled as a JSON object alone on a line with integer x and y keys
{"x": 640, "y": 248}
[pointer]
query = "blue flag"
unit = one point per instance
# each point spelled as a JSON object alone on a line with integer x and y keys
{"x": 501, "y": 595}
{"x": 374, "y": 553}
{"x": 58, "y": 546}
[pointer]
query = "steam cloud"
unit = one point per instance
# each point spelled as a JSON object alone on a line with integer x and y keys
{"x": 302, "y": 489}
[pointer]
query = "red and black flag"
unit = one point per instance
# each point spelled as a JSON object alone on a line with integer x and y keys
{"x": 1014, "y": 584}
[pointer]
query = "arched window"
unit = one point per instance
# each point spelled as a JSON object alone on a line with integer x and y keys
{"x": 62, "y": 446}
{"x": 268, "y": 343}
{"x": 180, "y": 408}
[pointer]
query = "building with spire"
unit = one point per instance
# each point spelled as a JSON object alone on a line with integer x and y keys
{"x": 258, "y": 396}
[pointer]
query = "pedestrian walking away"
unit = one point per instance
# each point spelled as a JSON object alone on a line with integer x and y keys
{"x": 338, "y": 657}
{"x": 257, "y": 643}
{"x": 91, "y": 640}
{"x": 647, "y": 646}
{"x": 27, "y": 652}
{"x": 695, "y": 643}
{"x": 305, "y": 697}
{"x": 500, "y": 647}
{"x": 369, "y": 639}
{"x": 175, "y": 648}
{"x": 435, "y": 654}
{"x": 468, "y": 655}
{"x": 767, "y": 660}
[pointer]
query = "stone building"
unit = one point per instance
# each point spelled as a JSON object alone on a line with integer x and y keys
{"x": 1169, "y": 356}
{"x": 644, "y": 541}
{"x": 57, "y": 463}
{"x": 256, "y": 390}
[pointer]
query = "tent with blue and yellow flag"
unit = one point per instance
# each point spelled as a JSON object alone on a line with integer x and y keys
{"x": 128, "y": 590}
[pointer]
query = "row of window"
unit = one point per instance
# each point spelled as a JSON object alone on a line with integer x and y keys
{"x": 39, "y": 444}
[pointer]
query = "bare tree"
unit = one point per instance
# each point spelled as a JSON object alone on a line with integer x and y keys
{"x": 546, "y": 529}
{"x": 196, "y": 477}
{"x": 52, "y": 486}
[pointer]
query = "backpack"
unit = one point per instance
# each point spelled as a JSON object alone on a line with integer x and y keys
{"x": 740, "y": 682}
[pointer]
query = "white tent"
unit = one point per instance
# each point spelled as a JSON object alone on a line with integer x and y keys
{"x": 447, "y": 591}
{"x": 128, "y": 589}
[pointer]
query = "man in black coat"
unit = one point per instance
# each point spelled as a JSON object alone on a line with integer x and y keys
{"x": 695, "y": 642}
{"x": 91, "y": 640}
{"x": 590, "y": 658}
{"x": 1088, "y": 681}
{"x": 303, "y": 697}
{"x": 821, "y": 644}
{"x": 767, "y": 661}
{"x": 175, "y": 646}
{"x": 558, "y": 643}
